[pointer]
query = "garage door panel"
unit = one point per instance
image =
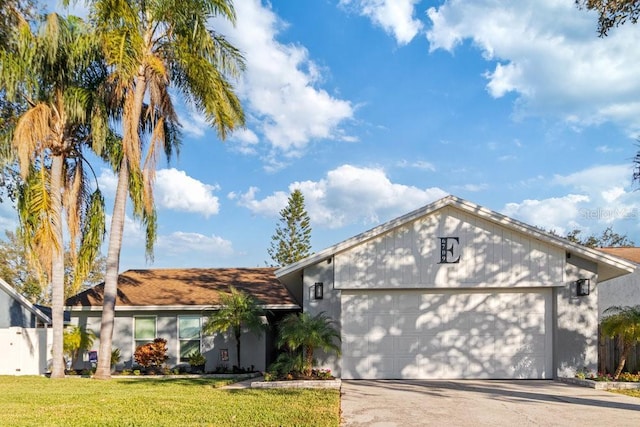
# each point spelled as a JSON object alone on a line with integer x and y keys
{"x": 474, "y": 335}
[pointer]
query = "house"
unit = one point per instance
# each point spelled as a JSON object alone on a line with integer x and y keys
{"x": 621, "y": 291}
{"x": 454, "y": 290}
{"x": 24, "y": 334}
{"x": 624, "y": 290}
{"x": 174, "y": 304}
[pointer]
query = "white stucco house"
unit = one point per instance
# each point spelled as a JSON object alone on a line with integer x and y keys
{"x": 24, "y": 334}
{"x": 454, "y": 290}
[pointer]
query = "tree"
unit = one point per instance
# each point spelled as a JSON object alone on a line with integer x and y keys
{"x": 612, "y": 13}
{"x": 150, "y": 45}
{"x": 13, "y": 13}
{"x": 303, "y": 332}
{"x": 292, "y": 239}
{"x": 57, "y": 70}
{"x": 623, "y": 323}
{"x": 77, "y": 340}
{"x": 238, "y": 311}
{"x": 608, "y": 239}
{"x": 16, "y": 269}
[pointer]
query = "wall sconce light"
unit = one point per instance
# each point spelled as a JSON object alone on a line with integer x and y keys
{"x": 318, "y": 291}
{"x": 583, "y": 287}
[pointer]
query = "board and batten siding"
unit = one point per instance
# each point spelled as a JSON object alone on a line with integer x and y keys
{"x": 490, "y": 256}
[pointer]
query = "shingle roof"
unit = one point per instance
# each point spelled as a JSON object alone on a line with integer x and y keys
{"x": 631, "y": 254}
{"x": 188, "y": 287}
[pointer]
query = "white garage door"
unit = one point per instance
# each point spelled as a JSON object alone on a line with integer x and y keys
{"x": 448, "y": 334}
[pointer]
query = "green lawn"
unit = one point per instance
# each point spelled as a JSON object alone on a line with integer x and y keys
{"x": 633, "y": 393}
{"x": 38, "y": 401}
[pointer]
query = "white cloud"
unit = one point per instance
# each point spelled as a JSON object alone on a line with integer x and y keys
{"x": 420, "y": 164}
{"x": 280, "y": 84}
{"x": 181, "y": 242}
{"x": 556, "y": 213}
{"x": 176, "y": 190}
{"x": 108, "y": 182}
{"x": 597, "y": 179}
{"x": 600, "y": 196}
{"x": 396, "y": 17}
{"x": 547, "y": 52}
{"x": 347, "y": 195}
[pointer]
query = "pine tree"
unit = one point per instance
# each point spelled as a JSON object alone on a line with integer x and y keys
{"x": 292, "y": 239}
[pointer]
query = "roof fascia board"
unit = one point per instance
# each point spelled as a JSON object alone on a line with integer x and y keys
{"x": 470, "y": 208}
{"x": 178, "y": 307}
{"x": 25, "y": 302}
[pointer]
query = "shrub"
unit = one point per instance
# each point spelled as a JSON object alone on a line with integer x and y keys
{"x": 197, "y": 359}
{"x": 629, "y": 377}
{"x": 152, "y": 354}
{"x": 115, "y": 356}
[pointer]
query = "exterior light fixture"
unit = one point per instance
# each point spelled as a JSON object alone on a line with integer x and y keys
{"x": 318, "y": 291}
{"x": 583, "y": 287}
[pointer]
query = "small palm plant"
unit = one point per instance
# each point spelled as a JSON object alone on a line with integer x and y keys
{"x": 306, "y": 333}
{"x": 623, "y": 323}
{"x": 76, "y": 340}
{"x": 238, "y": 310}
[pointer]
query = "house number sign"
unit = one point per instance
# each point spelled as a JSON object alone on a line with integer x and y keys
{"x": 449, "y": 250}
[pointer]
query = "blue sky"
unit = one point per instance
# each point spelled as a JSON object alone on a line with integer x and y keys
{"x": 374, "y": 108}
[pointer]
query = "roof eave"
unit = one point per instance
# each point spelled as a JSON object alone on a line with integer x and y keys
{"x": 147, "y": 308}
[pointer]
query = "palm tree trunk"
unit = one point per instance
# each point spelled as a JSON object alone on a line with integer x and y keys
{"x": 626, "y": 350}
{"x": 103, "y": 370}
{"x": 308, "y": 360}
{"x": 131, "y": 119}
{"x": 57, "y": 270}
{"x": 238, "y": 333}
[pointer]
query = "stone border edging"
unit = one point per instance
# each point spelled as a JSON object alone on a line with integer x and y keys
{"x": 333, "y": 384}
{"x": 600, "y": 385}
{"x": 188, "y": 376}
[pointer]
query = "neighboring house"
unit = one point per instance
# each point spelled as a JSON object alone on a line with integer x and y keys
{"x": 24, "y": 334}
{"x": 174, "y": 304}
{"x": 621, "y": 291}
{"x": 454, "y": 290}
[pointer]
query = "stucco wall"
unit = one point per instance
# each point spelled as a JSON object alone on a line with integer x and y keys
{"x": 323, "y": 272}
{"x": 576, "y": 320}
{"x": 252, "y": 346}
{"x": 622, "y": 291}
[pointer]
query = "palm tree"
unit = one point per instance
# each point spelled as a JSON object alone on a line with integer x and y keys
{"x": 305, "y": 332}
{"x": 238, "y": 311}
{"x": 150, "y": 46}
{"x": 57, "y": 72}
{"x": 623, "y": 323}
{"x": 77, "y": 340}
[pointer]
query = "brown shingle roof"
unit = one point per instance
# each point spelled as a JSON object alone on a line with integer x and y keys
{"x": 630, "y": 254}
{"x": 188, "y": 287}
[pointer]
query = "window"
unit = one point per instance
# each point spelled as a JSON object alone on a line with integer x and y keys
{"x": 144, "y": 330}
{"x": 188, "y": 336}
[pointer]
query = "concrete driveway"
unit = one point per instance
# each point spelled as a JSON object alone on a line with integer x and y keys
{"x": 483, "y": 403}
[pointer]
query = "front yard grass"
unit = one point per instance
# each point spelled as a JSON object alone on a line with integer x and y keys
{"x": 38, "y": 401}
